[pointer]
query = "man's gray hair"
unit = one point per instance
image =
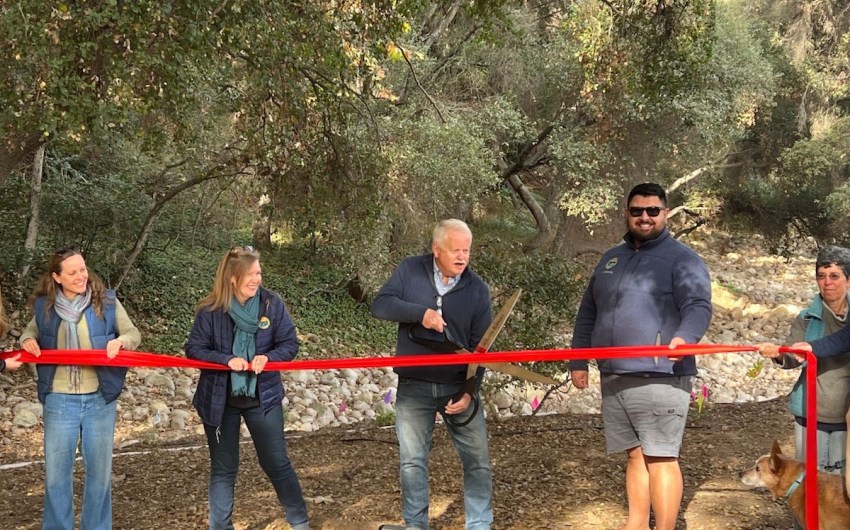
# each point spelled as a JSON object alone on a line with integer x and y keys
{"x": 834, "y": 255}
{"x": 446, "y": 225}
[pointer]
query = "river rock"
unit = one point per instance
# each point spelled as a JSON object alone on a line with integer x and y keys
{"x": 25, "y": 418}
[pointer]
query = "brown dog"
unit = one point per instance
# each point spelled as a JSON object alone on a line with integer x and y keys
{"x": 784, "y": 477}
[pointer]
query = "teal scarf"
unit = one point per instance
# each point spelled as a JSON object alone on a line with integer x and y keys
{"x": 246, "y": 320}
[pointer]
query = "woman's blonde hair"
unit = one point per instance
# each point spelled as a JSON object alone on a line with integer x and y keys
{"x": 47, "y": 285}
{"x": 233, "y": 266}
{"x": 4, "y": 322}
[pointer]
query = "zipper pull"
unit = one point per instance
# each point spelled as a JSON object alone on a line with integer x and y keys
{"x": 657, "y": 343}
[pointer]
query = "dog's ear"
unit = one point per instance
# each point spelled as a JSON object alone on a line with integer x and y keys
{"x": 774, "y": 461}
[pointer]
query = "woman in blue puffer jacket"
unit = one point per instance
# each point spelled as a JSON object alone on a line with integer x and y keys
{"x": 243, "y": 326}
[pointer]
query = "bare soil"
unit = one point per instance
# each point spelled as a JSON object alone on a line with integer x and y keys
{"x": 549, "y": 471}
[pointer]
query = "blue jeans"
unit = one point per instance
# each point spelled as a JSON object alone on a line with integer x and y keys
{"x": 416, "y": 404}
{"x": 69, "y": 419}
{"x": 269, "y": 442}
{"x": 831, "y": 448}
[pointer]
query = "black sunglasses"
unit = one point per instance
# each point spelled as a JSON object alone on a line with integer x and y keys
{"x": 652, "y": 211}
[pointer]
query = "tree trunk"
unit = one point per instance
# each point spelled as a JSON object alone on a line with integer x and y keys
{"x": 35, "y": 210}
{"x": 437, "y": 24}
{"x": 545, "y": 234}
{"x": 261, "y": 231}
{"x": 530, "y": 156}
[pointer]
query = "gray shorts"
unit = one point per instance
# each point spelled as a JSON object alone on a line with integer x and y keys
{"x": 645, "y": 412}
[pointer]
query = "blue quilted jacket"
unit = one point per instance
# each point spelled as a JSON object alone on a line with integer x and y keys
{"x": 211, "y": 340}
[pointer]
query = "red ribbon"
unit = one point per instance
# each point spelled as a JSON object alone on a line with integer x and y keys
{"x": 131, "y": 359}
{"x": 811, "y": 480}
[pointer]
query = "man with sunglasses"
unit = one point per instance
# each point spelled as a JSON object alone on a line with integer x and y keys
{"x": 649, "y": 290}
{"x": 436, "y": 299}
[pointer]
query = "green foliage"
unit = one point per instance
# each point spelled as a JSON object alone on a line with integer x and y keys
{"x": 376, "y": 203}
{"x": 162, "y": 293}
{"x": 639, "y": 56}
{"x": 80, "y": 206}
{"x": 807, "y": 190}
{"x": 331, "y": 322}
{"x": 385, "y": 419}
{"x": 591, "y": 192}
{"x": 435, "y": 185}
{"x": 739, "y": 83}
{"x": 70, "y": 69}
{"x": 551, "y": 286}
{"x": 756, "y": 369}
{"x": 673, "y": 41}
{"x": 788, "y": 175}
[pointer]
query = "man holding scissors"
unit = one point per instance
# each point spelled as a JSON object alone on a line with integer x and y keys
{"x": 649, "y": 290}
{"x": 436, "y": 299}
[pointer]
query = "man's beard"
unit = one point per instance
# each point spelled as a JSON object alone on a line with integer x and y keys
{"x": 643, "y": 237}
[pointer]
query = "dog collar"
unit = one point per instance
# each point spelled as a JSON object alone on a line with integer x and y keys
{"x": 796, "y": 484}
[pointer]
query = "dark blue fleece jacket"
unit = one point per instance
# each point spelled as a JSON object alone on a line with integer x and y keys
{"x": 410, "y": 291}
{"x": 211, "y": 339}
{"x": 644, "y": 296}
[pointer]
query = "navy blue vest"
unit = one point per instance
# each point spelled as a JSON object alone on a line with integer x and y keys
{"x": 101, "y": 330}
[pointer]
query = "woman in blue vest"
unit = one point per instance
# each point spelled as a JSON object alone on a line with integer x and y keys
{"x": 243, "y": 326}
{"x": 72, "y": 310}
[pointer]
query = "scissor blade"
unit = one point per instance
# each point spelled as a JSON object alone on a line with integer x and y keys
{"x": 494, "y": 329}
{"x": 521, "y": 373}
{"x": 498, "y": 323}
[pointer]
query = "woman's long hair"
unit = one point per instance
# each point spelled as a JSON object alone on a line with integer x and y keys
{"x": 47, "y": 286}
{"x": 4, "y": 322}
{"x": 233, "y": 266}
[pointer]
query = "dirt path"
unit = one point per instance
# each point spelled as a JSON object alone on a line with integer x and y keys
{"x": 550, "y": 473}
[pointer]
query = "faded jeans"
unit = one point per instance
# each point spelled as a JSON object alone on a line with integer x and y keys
{"x": 831, "y": 448}
{"x": 416, "y": 405}
{"x": 89, "y": 420}
{"x": 269, "y": 442}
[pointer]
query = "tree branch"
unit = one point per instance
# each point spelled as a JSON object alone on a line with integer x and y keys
{"x": 521, "y": 161}
{"x": 549, "y": 392}
{"x": 720, "y": 163}
{"x": 454, "y": 51}
{"x": 147, "y": 226}
{"x": 681, "y": 181}
{"x": 416, "y": 78}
